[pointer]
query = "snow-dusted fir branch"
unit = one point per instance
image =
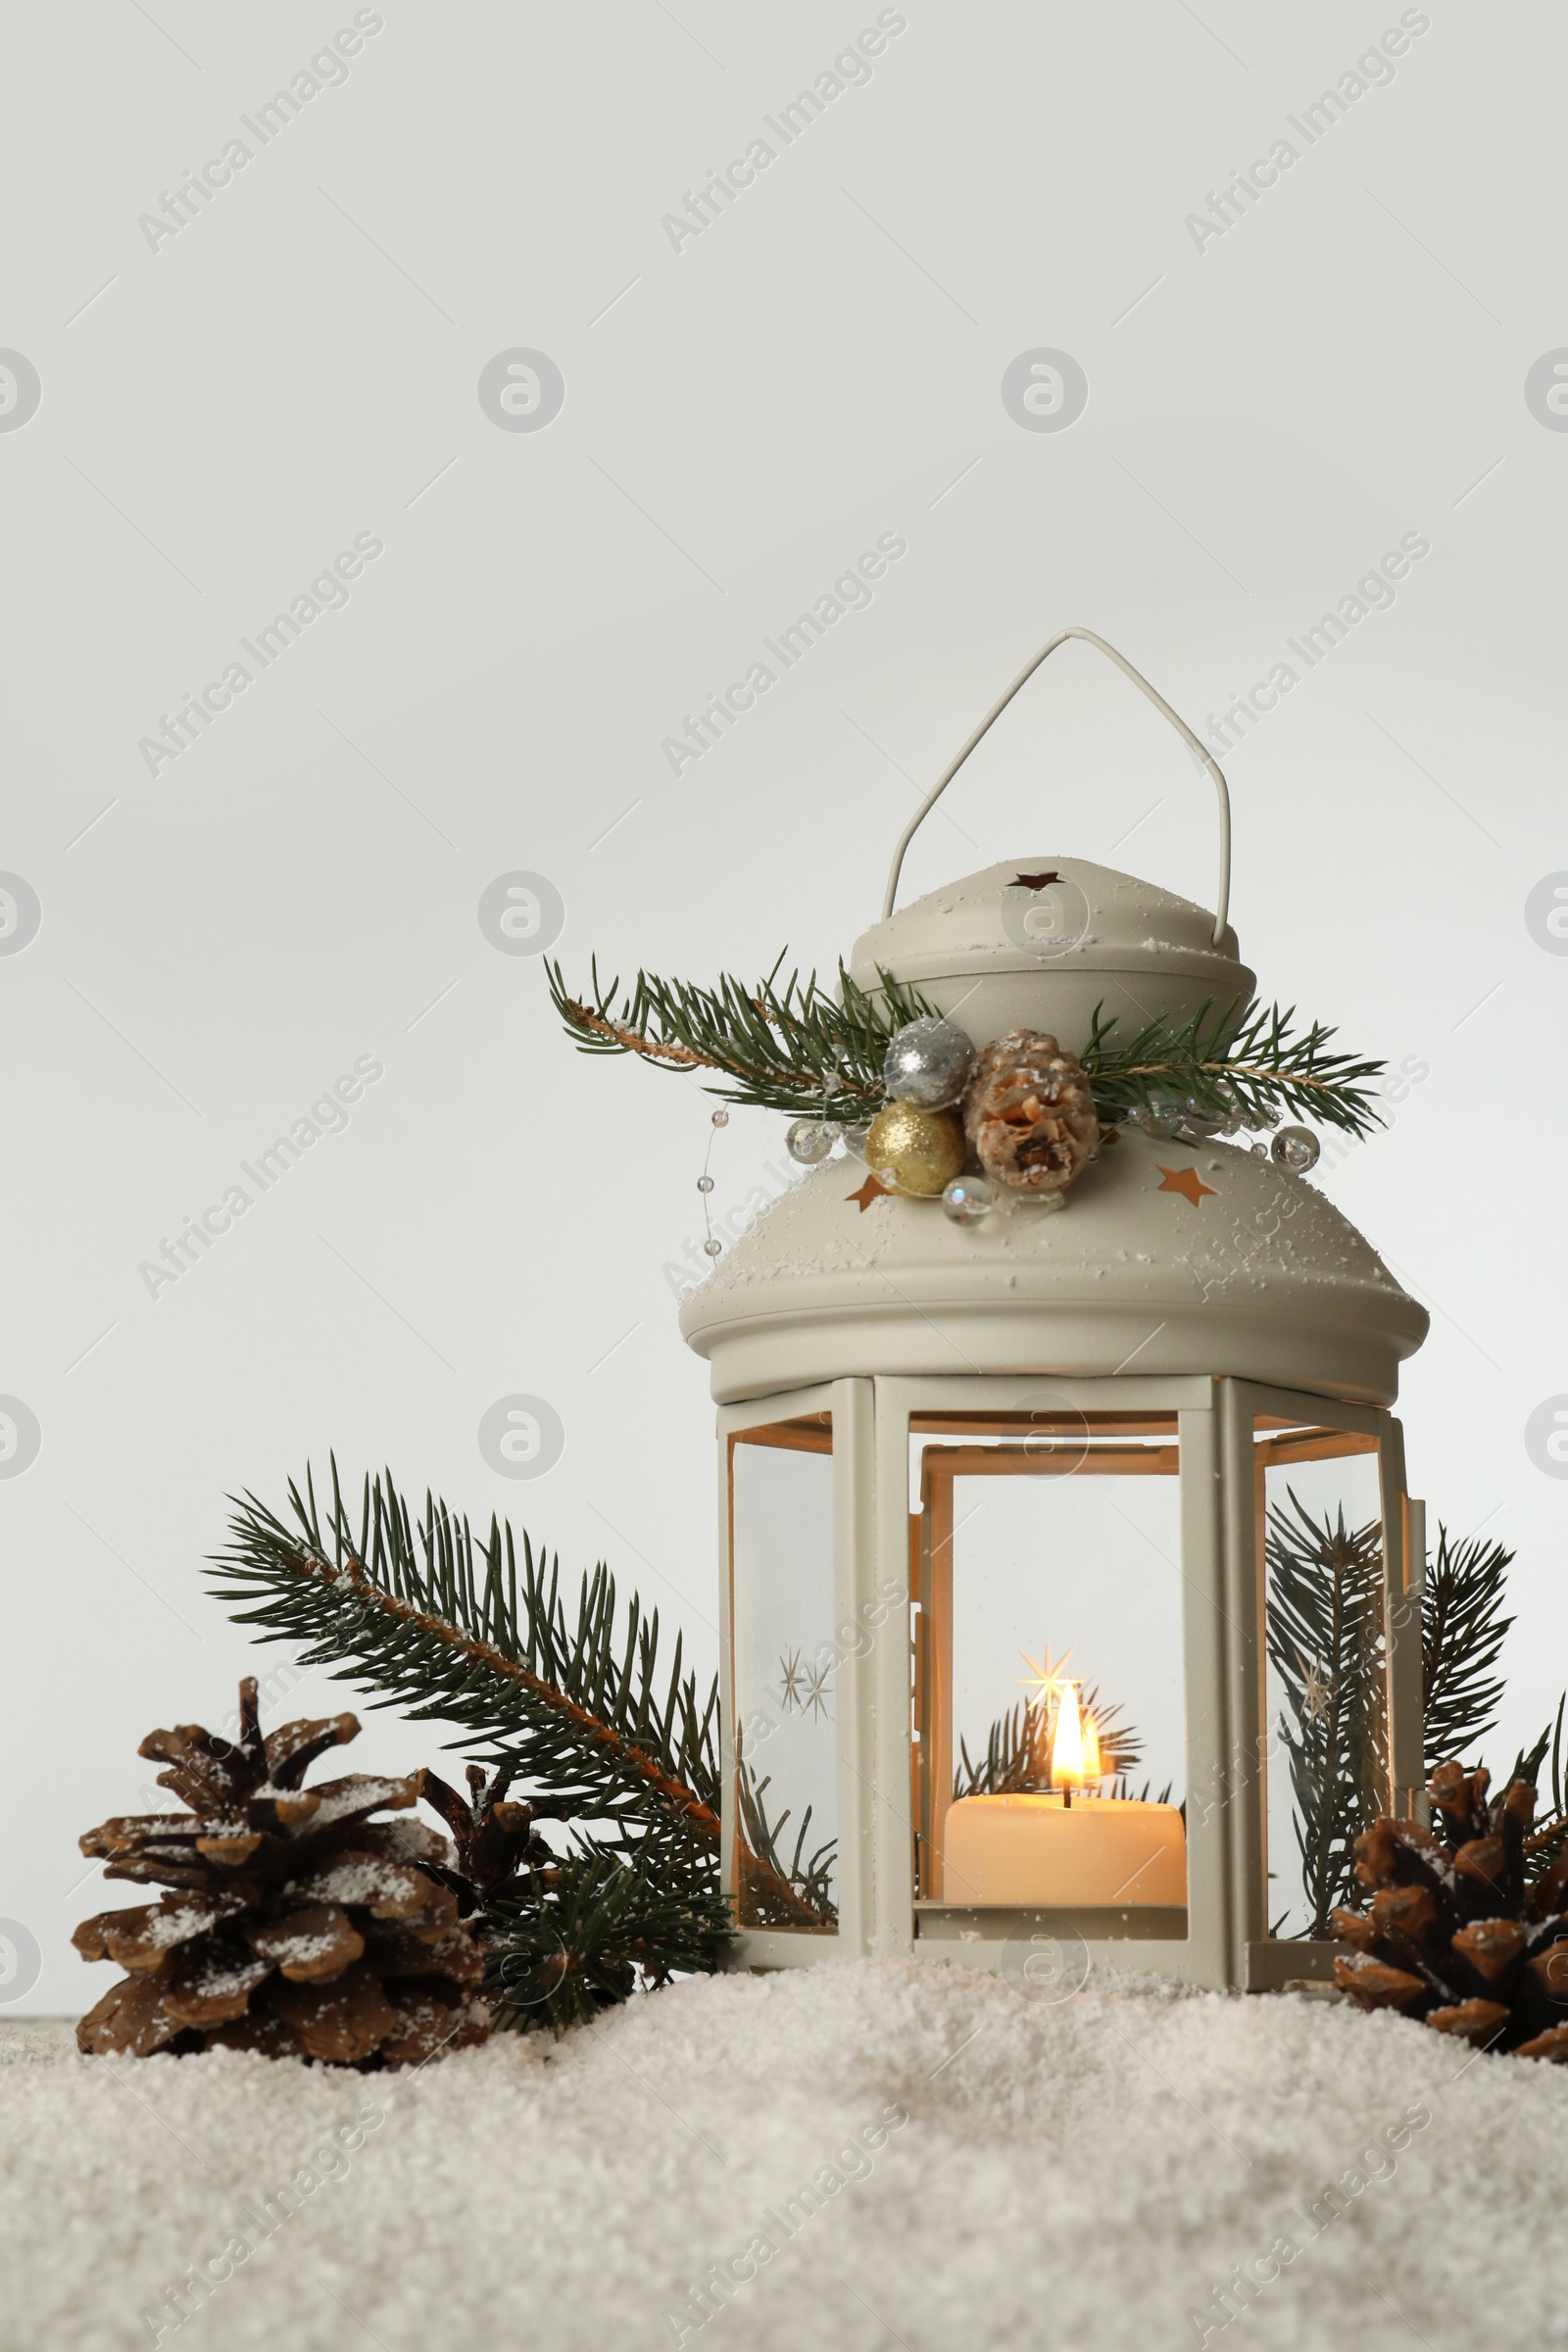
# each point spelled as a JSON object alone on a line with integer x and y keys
{"x": 427, "y": 1617}
{"x": 788, "y": 1047}
{"x": 1255, "y": 1067}
{"x": 795, "y": 1046}
{"x": 424, "y": 1615}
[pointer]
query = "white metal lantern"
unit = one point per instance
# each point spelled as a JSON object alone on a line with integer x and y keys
{"x": 992, "y": 1494}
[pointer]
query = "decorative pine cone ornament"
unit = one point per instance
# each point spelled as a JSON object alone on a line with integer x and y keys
{"x": 294, "y": 1924}
{"x": 1029, "y": 1112}
{"x": 1456, "y": 1935}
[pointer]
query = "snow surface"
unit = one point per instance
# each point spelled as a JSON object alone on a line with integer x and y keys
{"x": 1071, "y": 2177}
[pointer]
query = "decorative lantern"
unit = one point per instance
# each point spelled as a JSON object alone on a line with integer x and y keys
{"x": 997, "y": 1484}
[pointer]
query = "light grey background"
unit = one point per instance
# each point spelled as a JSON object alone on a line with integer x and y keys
{"x": 743, "y": 415}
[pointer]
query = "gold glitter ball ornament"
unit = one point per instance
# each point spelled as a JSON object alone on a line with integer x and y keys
{"x": 917, "y": 1151}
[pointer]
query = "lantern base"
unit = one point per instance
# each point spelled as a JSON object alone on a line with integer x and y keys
{"x": 1029, "y": 1925}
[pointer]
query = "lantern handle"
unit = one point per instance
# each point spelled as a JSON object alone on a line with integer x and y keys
{"x": 990, "y": 721}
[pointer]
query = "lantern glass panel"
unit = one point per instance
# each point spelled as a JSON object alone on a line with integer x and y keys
{"x": 784, "y": 1793}
{"x": 1047, "y": 1562}
{"x": 1324, "y": 1734}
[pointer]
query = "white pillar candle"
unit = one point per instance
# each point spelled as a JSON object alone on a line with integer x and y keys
{"x": 1039, "y": 1851}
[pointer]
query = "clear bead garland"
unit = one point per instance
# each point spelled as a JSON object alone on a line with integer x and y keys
{"x": 713, "y": 1246}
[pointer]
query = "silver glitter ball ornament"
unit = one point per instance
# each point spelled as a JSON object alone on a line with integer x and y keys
{"x": 721, "y": 1118}
{"x": 1296, "y": 1149}
{"x": 927, "y": 1063}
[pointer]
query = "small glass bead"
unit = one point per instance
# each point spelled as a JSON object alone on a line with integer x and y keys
{"x": 1296, "y": 1149}
{"x": 721, "y": 1118}
{"x": 810, "y": 1141}
{"x": 704, "y": 1184}
{"x": 1197, "y": 1122}
{"x": 712, "y": 1249}
{"x": 968, "y": 1198}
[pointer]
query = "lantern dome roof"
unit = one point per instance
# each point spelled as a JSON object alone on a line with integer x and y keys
{"x": 1237, "y": 1268}
{"x": 1039, "y": 943}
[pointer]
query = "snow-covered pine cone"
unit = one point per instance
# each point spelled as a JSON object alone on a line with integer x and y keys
{"x": 1456, "y": 1935}
{"x": 1029, "y": 1112}
{"x": 292, "y": 1923}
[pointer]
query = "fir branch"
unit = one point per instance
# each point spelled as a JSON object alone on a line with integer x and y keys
{"x": 1252, "y": 1069}
{"x": 792, "y": 1048}
{"x": 1547, "y": 1837}
{"x": 589, "y": 1930}
{"x": 1462, "y": 1631}
{"x": 775, "y": 1889}
{"x": 1326, "y": 1642}
{"x": 426, "y": 1618}
{"x": 796, "y": 1048}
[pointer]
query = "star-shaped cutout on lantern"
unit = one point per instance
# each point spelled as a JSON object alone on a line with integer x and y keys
{"x": 792, "y": 1682}
{"x": 869, "y": 1191}
{"x": 1032, "y": 881}
{"x": 1185, "y": 1180}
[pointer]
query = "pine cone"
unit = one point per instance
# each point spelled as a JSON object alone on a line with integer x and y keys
{"x": 296, "y": 1926}
{"x": 497, "y": 1845}
{"x": 1029, "y": 1112}
{"x": 1456, "y": 1935}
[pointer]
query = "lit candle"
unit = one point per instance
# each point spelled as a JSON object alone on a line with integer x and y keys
{"x": 1038, "y": 1848}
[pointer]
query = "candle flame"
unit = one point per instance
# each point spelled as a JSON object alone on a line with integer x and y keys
{"x": 1075, "y": 1761}
{"x": 1067, "y": 1742}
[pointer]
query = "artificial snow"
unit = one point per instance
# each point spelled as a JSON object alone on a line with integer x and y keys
{"x": 883, "y": 2154}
